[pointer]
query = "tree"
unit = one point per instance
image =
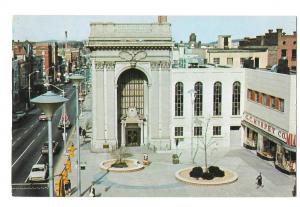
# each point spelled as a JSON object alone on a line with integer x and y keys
{"x": 206, "y": 142}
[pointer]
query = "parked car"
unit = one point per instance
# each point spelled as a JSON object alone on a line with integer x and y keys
{"x": 44, "y": 150}
{"x": 38, "y": 173}
{"x": 42, "y": 117}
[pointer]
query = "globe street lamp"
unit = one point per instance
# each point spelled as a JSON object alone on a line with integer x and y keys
{"x": 76, "y": 79}
{"x": 64, "y": 112}
{"x": 49, "y": 102}
{"x": 29, "y": 88}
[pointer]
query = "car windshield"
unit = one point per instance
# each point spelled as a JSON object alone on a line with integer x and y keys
{"x": 37, "y": 169}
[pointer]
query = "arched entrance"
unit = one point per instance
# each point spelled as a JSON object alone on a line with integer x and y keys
{"x": 131, "y": 109}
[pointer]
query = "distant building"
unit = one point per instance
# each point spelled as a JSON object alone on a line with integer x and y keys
{"x": 45, "y": 51}
{"x": 278, "y": 44}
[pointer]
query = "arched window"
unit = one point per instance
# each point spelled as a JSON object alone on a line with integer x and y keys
{"x": 179, "y": 99}
{"x": 198, "y": 99}
{"x": 236, "y": 98}
{"x": 217, "y": 98}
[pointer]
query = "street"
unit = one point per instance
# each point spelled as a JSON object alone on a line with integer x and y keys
{"x": 28, "y": 137}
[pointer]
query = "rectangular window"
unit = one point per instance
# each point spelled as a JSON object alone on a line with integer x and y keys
{"x": 281, "y": 105}
{"x": 197, "y": 131}
{"x": 242, "y": 60}
{"x": 178, "y": 131}
{"x": 273, "y": 102}
{"x": 264, "y": 99}
{"x": 249, "y": 94}
{"x": 283, "y": 53}
{"x": 216, "y": 60}
{"x": 256, "y": 96}
{"x": 217, "y": 130}
{"x": 229, "y": 61}
{"x": 294, "y": 54}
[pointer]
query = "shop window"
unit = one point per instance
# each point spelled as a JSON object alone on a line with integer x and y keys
{"x": 229, "y": 61}
{"x": 236, "y": 98}
{"x": 178, "y": 131}
{"x": 217, "y": 102}
{"x": 294, "y": 54}
{"x": 283, "y": 53}
{"x": 197, "y": 131}
{"x": 198, "y": 99}
{"x": 179, "y": 99}
{"x": 216, "y": 60}
{"x": 217, "y": 130}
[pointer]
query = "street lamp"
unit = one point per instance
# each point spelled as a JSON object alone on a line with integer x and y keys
{"x": 64, "y": 112}
{"x": 49, "y": 102}
{"x": 29, "y": 88}
{"x": 76, "y": 79}
{"x": 192, "y": 92}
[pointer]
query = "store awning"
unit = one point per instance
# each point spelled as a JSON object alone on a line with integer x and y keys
{"x": 269, "y": 136}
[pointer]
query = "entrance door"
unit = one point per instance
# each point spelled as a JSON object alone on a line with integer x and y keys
{"x": 133, "y": 137}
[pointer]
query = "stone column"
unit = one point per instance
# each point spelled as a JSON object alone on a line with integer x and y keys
{"x": 105, "y": 101}
{"x": 149, "y": 111}
{"x": 141, "y": 125}
{"x": 116, "y": 115}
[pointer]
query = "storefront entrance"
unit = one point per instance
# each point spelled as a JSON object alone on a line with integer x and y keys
{"x": 133, "y": 137}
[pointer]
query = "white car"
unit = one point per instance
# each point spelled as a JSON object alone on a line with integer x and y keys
{"x": 38, "y": 173}
{"x": 43, "y": 117}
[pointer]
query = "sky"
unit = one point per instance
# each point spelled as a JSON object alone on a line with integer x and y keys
{"x": 206, "y": 28}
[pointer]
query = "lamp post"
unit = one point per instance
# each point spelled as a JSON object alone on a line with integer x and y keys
{"x": 76, "y": 79}
{"x": 29, "y": 88}
{"x": 63, "y": 112}
{"x": 49, "y": 102}
{"x": 192, "y": 92}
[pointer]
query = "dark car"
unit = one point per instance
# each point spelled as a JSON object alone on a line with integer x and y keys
{"x": 54, "y": 148}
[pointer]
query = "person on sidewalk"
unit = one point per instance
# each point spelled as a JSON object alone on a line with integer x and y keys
{"x": 259, "y": 181}
{"x": 92, "y": 191}
{"x": 83, "y": 133}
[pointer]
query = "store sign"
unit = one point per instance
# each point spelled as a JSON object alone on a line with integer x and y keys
{"x": 288, "y": 138}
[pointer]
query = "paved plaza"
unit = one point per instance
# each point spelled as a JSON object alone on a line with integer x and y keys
{"x": 158, "y": 179}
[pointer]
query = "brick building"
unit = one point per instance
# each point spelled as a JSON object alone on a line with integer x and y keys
{"x": 44, "y": 50}
{"x": 279, "y": 45}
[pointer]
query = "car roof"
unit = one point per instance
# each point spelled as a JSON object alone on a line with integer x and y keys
{"x": 38, "y": 165}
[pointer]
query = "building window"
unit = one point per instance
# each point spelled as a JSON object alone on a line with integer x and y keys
{"x": 294, "y": 42}
{"x": 283, "y": 53}
{"x": 217, "y": 99}
{"x": 178, "y": 131}
{"x": 294, "y": 54}
{"x": 281, "y": 105}
{"x": 179, "y": 99}
{"x": 198, "y": 99}
{"x": 257, "y": 96}
{"x": 236, "y": 98}
{"x": 217, "y": 130}
{"x": 283, "y": 42}
{"x": 229, "y": 61}
{"x": 264, "y": 99}
{"x": 197, "y": 131}
{"x": 216, "y": 60}
{"x": 249, "y": 92}
{"x": 273, "y": 102}
{"x": 242, "y": 60}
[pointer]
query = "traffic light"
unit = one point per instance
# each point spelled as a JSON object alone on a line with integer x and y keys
{"x": 68, "y": 165}
{"x": 71, "y": 150}
{"x": 59, "y": 188}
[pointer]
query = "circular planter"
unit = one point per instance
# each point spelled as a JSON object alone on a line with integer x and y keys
{"x": 133, "y": 165}
{"x": 184, "y": 175}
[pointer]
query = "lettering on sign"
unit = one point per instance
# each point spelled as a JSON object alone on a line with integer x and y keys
{"x": 288, "y": 138}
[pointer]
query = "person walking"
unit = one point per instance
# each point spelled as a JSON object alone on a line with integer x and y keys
{"x": 92, "y": 191}
{"x": 259, "y": 181}
{"x": 83, "y": 134}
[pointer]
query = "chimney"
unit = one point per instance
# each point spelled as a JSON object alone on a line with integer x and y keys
{"x": 295, "y": 33}
{"x": 270, "y": 31}
{"x": 162, "y": 19}
{"x": 279, "y": 31}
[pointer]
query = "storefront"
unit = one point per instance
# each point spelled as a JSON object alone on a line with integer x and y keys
{"x": 271, "y": 143}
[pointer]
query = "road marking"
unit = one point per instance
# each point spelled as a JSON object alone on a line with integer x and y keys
{"x": 23, "y": 152}
{"x": 35, "y": 164}
{"x": 16, "y": 141}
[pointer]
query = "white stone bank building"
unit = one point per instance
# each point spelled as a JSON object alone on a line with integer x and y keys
{"x": 139, "y": 99}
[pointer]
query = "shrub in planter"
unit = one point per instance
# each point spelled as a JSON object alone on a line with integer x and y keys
{"x": 207, "y": 176}
{"x": 196, "y": 172}
{"x": 119, "y": 164}
{"x": 216, "y": 172}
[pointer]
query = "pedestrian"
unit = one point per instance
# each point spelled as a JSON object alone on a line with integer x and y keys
{"x": 259, "y": 181}
{"x": 83, "y": 133}
{"x": 80, "y": 130}
{"x": 92, "y": 191}
{"x": 294, "y": 190}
